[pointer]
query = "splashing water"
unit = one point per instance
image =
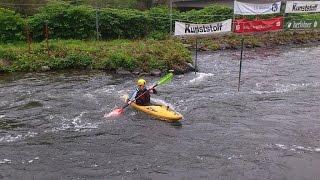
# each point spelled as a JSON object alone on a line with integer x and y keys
{"x": 114, "y": 113}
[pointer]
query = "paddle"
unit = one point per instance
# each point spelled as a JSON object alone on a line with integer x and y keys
{"x": 165, "y": 79}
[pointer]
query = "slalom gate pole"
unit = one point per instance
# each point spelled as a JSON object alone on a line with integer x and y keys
{"x": 240, "y": 67}
{"x": 195, "y": 63}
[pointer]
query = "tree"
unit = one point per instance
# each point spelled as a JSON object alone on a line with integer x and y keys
{"x": 24, "y": 7}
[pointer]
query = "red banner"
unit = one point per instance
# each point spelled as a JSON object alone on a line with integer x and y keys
{"x": 247, "y": 26}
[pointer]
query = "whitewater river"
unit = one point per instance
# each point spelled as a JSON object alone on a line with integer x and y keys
{"x": 52, "y": 124}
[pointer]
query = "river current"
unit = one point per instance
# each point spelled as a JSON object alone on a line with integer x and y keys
{"x": 52, "y": 125}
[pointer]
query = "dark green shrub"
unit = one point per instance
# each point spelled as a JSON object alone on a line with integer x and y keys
{"x": 122, "y": 60}
{"x": 123, "y": 23}
{"x": 11, "y": 26}
{"x": 214, "y": 13}
{"x": 160, "y": 19}
{"x": 64, "y": 21}
{"x": 158, "y": 35}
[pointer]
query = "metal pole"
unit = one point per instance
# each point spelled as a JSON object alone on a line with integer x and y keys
{"x": 170, "y": 17}
{"x": 195, "y": 64}
{"x": 242, "y": 42}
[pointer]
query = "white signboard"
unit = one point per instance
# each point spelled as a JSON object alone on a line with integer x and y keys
{"x": 255, "y": 9}
{"x": 194, "y": 29}
{"x": 302, "y": 6}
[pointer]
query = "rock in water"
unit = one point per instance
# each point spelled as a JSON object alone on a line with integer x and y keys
{"x": 45, "y": 68}
{"x": 123, "y": 72}
{"x": 156, "y": 72}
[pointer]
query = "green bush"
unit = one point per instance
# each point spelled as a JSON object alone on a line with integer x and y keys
{"x": 122, "y": 60}
{"x": 11, "y": 26}
{"x": 64, "y": 21}
{"x": 78, "y": 22}
{"x": 158, "y": 35}
{"x": 214, "y": 13}
{"x": 124, "y": 23}
{"x": 71, "y": 61}
{"x": 160, "y": 19}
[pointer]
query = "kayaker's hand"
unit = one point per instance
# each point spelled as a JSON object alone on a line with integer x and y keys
{"x": 129, "y": 102}
{"x": 154, "y": 91}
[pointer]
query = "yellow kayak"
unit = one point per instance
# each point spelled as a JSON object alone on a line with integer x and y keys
{"x": 161, "y": 112}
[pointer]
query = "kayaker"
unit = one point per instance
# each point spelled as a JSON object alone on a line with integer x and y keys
{"x": 141, "y": 93}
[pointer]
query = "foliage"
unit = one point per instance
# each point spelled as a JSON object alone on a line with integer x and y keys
{"x": 110, "y": 55}
{"x": 158, "y": 35}
{"x": 72, "y": 61}
{"x": 314, "y": 16}
{"x": 78, "y": 22}
{"x": 214, "y": 13}
{"x": 11, "y": 26}
{"x": 64, "y": 21}
{"x": 116, "y": 23}
{"x": 160, "y": 19}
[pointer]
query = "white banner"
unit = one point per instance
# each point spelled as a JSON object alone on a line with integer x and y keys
{"x": 302, "y": 6}
{"x": 255, "y": 9}
{"x": 194, "y": 29}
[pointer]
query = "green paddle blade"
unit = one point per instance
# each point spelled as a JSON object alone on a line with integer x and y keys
{"x": 165, "y": 79}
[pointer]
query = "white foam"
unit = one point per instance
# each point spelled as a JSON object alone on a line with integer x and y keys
{"x": 159, "y": 101}
{"x": 108, "y": 89}
{"x": 297, "y": 148}
{"x": 281, "y": 146}
{"x": 3, "y": 103}
{"x": 201, "y": 77}
{"x": 75, "y": 124}
{"x": 13, "y": 138}
{"x": 5, "y": 161}
{"x": 90, "y": 96}
{"x": 200, "y": 158}
{"x": 234, "y": 157}
{"x": 2, "y": 116}
{"x": 283, "y": 88}
{"x": 302, "y": 148}
{"x": 32, "y": 160}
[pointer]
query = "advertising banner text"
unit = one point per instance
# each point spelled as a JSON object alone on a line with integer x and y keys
{"x": 251, "y": 26}
{"x": 256, "y": 9}
{"x": 302, "y": 24}
{"x": 302, "y": 6}
{"x": 194, "y": 29}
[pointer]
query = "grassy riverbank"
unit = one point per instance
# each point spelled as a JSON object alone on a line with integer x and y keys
{"x": 136, "y": 56}
{"x": 141, "y": 56}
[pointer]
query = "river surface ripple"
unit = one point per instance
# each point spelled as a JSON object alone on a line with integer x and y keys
{"x": 52, "y": 124}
